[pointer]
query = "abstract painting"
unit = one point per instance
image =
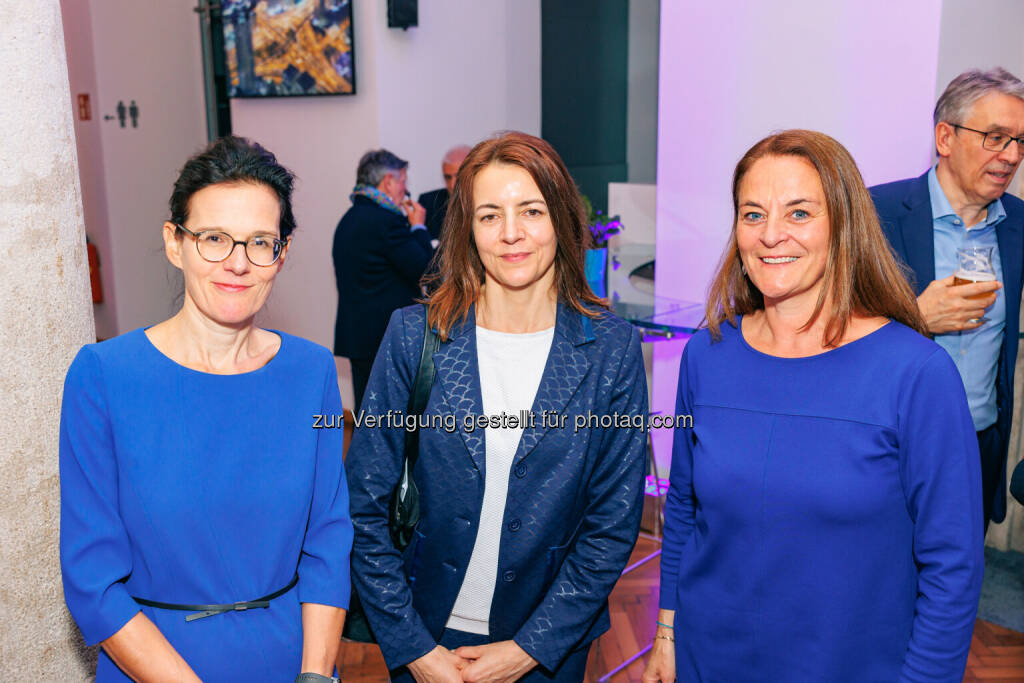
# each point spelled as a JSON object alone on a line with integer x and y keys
{"x": 279, "y": 48}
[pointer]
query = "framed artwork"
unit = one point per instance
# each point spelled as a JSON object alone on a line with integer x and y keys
{"x": 280, "y": 48}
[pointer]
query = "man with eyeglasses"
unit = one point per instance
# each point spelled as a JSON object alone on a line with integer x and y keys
{"x": 963, "y": 202}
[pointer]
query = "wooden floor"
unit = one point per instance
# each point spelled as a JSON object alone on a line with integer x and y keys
{"x": 997, "y": 654}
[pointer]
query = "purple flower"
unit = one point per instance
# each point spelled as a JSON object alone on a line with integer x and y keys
{"x": 601, "y": 230}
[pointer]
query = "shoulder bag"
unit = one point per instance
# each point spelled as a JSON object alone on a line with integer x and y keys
{"x": 404, "y": 510}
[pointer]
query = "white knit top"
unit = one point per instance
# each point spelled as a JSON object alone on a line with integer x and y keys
{"x": 511, "y": 366}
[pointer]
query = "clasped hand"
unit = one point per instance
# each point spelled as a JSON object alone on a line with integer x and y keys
{"x": 949, "y": 308}
{"x": 501, "y": 662}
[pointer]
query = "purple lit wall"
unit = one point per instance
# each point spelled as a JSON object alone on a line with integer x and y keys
{"x": 731, "y": 73}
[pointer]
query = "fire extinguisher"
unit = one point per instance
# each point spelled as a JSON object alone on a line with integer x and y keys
{"x": 94, "y": 272}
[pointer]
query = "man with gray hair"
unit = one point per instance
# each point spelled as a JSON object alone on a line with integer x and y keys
{"x": 436, "y": 201}
{"x": 381, "y": 250}
{"x": 961, "y": 204}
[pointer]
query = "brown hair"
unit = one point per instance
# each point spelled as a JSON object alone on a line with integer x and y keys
{"x": 461, "y": 272}
{"x": 862, "y": 275}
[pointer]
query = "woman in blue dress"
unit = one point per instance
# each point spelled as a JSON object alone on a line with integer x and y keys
{"x": 824, "y": 515}
{"x": 204, "y": 523}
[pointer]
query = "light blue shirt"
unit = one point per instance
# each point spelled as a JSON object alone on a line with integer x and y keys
{"x": 975, "y": 352}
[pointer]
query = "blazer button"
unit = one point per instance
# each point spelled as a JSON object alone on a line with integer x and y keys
{"x": 521, "y": 470}
{"x": 515, "y": 524}
{"x": 509, "y": 576}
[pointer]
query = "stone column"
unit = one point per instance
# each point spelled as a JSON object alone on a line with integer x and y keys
{"x": 45, "y": 316}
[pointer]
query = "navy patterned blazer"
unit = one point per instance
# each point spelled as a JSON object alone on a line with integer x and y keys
{"x": 574, "y": 499}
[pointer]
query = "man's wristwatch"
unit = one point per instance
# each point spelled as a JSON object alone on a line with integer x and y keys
{"x": 315, "y": 678}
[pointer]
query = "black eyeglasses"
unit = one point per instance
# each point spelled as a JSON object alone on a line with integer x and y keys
{"x": 216, "y": 246}
{"x": 994, "y": 141}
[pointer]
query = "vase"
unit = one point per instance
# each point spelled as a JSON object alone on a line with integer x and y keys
{"x": 596, "y": 270}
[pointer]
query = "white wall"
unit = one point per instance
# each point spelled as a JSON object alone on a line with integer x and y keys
{"x": 148, "y": 52}
{"x": 467, "y": 71}
{"x": 731, "y": 73}
{"x": 979, "y": 34}
{"x": 451, "y": 80}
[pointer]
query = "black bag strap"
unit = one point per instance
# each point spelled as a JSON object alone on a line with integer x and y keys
{"x": 404, "y": 508}
{"x": 404, "y": 511}
{"x": 421, "y": 390}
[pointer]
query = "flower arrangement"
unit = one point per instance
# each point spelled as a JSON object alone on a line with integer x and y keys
{"x": 601, "y": 227}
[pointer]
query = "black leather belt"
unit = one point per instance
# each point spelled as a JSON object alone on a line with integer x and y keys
{"x": 209, "y": 610}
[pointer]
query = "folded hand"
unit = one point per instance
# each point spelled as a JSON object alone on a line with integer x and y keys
{"x": 501, "y": 662}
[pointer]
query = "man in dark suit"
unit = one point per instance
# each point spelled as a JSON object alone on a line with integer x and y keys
{"x": 436, "y": 201}
{"x": 962, "y": 202}
{"x": 381, "y": 249}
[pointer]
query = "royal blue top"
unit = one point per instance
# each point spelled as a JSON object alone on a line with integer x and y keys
{"x": 823, "y": 521}
{"x": 181, "y": 486}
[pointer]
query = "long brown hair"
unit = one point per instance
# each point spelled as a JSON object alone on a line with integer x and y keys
{"x": 461, "y": 272}
{"x": 862, "y": 275}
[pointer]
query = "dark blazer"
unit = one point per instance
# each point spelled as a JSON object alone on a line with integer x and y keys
{"x": 436, "y": 204}
{"x": 378, "y": 263}
{"x": 574, "y": 498}
{"x": 905, "y": 210}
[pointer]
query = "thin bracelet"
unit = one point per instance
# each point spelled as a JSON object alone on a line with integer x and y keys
{"x": 668, "y": 638}
{"x": 659, "y": 623}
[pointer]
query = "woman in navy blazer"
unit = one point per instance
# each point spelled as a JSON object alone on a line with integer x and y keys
{"x": 524, "y": 528}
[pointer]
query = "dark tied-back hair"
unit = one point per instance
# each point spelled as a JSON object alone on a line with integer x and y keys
{"x": 862, "y": 275}
{"x": 461, "y": 272}
{"x": 232, "y": 159}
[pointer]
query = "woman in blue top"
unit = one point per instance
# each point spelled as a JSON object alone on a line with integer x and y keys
{"x": 525, "y": 525}
{"x": 824, "y": 516}
{"x": 191, "y": 479}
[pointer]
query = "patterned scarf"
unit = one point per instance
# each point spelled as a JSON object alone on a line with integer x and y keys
{"x": 375, "y": 196}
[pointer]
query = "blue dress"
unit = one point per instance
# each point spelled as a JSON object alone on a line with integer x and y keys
{"x": 186, "y": 487}
{"x": 824, "y": 515}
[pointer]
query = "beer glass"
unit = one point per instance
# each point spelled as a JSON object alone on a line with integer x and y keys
{"x": 974, "y": 264}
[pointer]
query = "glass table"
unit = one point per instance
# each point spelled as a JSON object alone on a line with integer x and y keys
{"x": 628, "y": 279}
{"x": 662, "y": 317}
